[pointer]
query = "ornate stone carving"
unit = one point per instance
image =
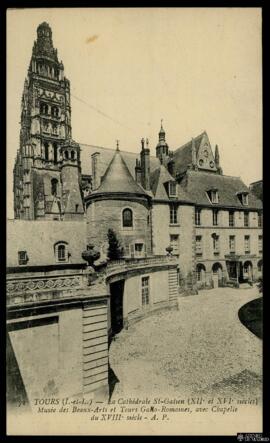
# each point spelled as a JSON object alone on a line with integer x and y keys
{"x": 14, "y": 287}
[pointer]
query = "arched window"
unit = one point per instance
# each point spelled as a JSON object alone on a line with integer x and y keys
{"x": 46, "y": 150}
{"x": 61, "y": 252}
{"x": 127, "y": 218}
{"x": 72, "y": 155}
{"x": 66, "y": 155}
{"x": 200, "y": 271}
{"x": 54, "y": 183}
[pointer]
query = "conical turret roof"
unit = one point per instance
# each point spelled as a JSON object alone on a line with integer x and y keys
{"x": 118, "y": 179}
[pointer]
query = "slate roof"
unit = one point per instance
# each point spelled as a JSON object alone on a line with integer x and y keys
{"x": 106, "y": 155}
{"x": 197, "y": 183}
{"x": 118, "y": 179}
{"x": 183, "y": 155}
{"x": 157, "y": 180}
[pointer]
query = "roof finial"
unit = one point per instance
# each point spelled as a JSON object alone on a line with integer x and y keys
{"x": 147, "y": 142}
{"x": 161, "y": 132}
{"x": 117, "y": 145}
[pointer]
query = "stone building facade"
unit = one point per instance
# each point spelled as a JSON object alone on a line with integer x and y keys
{"x": 178, "y": 198}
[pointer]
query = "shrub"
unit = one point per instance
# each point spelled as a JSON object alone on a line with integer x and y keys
{"x": 115, "y": 251}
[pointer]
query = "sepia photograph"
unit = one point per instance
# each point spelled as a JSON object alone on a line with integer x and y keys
{"x": 134, "y": 279}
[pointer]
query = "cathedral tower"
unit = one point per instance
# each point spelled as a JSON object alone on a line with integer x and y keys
{"x": 45, "y": 129}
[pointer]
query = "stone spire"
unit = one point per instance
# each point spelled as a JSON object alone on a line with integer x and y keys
{"x": 162, "y": 133}
{"x": 162, "y": 149}
{"x": 44, "y": 44}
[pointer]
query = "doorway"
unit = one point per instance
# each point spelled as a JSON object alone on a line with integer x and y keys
{"x": 117, "y": 292}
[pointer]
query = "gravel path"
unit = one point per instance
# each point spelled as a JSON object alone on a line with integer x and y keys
{"x": 200, "y": 348}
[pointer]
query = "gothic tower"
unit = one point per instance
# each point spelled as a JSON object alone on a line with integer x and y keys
{"x": 162, "y": 148}
{"x": 45, "y": 129}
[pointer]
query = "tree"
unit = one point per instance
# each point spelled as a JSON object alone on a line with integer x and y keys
{"x": 115, "y": 251}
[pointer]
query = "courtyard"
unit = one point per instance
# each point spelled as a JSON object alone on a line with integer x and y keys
{"x": 202, "y": 348}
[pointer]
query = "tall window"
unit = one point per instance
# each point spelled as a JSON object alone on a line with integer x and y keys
{"x": 215, "y": 217}
{"x": 259, "y": 219}
{"x": 127, "y": 218}
{"x": 215, "y": 243}
{"x": 61, "y": 253}
{"x": 55, "y": 111}
{"x": 46, "y": 150}
{"x": 198, "y": 245}
{"x": 232, "y": 243}
{"x": 197, "y": 217}
{"x": 145, "y": 291}
{"x": 55, "y": 152}
{"x": 44, "y": 108}
{"x": 246, "y": 219}
{"x": 174, "y": 240}
{"x": 231, "y": 218}
{"x": 173, "y": 214}
{"x": 247, "y": 244}
{"x": 260, "y": 243}
{"x": 54, "y": 184}
{"x": 172, "y": 189}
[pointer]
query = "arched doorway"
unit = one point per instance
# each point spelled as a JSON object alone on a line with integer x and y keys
{"x": 200, "y": 273}
{"x": 217, "y": 274}
{"x": 248, "y": 271}
{"x": 260, "y": 267}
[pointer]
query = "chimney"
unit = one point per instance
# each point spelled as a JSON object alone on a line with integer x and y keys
{"x": 138, "y": 172}
{"x": 217, "y": 156}
{"x": 96, "y": 170}
{"x": 193, "y": 149}
{"x": 145, "y": 165}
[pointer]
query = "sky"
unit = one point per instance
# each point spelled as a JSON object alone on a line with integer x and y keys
{"x": 196, "y": 68}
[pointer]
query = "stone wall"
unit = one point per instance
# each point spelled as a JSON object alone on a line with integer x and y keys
{"x": 105, "y": 214}
{"x": 163, "y": 291}
{"x": 61, "y": 352}
{"x": 48, "y": 350}
{"x": 162, "y": 229}
{"x": 39, "y": 237}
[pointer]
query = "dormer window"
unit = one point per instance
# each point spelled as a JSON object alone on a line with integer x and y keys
{"x": 243, "y": 197}
{"x": 172, "y": 189}
{"x": 213, "y": 195}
